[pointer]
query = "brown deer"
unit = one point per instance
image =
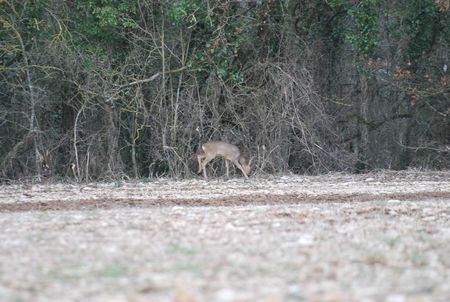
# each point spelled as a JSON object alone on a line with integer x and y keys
{"x": 228, "y": 152}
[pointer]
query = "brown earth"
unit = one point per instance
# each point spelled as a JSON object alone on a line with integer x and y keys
{"x": 245, "y": 200}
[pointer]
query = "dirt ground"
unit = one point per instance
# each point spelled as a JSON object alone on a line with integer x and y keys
{"x": 374, "y": 237}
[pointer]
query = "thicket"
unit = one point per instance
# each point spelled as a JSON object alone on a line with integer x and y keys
{"x": 107, "y": 89}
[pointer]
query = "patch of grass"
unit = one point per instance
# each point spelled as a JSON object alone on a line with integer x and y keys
{"x": 186, "y": 267}
{"x": 118, "y": 183}
{"x": 376, "y": 258}
{"x": 148, "y": 179}
{"x": 392, "y": 241}
{"x": 417, "y": 259}
{"x": 115, "y": 270}
{"x": 176, "y": 249}
{"x": 68, "y": 273}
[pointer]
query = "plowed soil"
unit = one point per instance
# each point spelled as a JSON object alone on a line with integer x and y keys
{"x": 375, "y": 237}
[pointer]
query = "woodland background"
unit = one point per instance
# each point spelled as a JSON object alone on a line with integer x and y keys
{"x": 107, "y": 89}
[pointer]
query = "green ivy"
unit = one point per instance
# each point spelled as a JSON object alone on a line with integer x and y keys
{"x": 364, "y": 35}
{"x": 184, "y": 13}
{"x": 423, "y": 27}
{"x": 106, "y": 20}
{"x": 418, "y": 21}
{"x": 215, "y": 44}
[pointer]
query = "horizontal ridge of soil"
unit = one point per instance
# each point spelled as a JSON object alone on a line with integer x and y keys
{"x": 260, "y": 199}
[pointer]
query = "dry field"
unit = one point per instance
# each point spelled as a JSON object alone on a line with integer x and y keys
{"x": 375, "y": 237}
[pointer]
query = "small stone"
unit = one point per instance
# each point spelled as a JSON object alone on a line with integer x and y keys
{"x": 393, "y": 212}
{"x": 229, "y": 226}
{"x": 393, "y": 201}
{"x": 429, "y": 218}
{"x": 295, "y": 291}
{"x": 306, "y": 240}
{"x": 225, "y": 294}
{"x": 427, "y": 211}
{"x": 395, "y": 298}
{"x": 275, "y": 225}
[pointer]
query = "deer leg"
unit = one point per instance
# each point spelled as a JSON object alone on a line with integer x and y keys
{"x": 240, "y": 168}
{"x": 200, "y": 157}
{"x": 227, "y": 164}
{"x": 204, "y": 163}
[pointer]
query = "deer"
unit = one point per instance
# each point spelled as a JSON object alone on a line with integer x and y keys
{"x": 229, "y": 152}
